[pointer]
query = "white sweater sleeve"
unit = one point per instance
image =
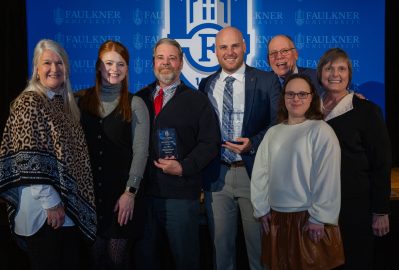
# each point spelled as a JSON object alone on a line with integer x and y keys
{"x": 260, "y": 180}
{"x": 325, "y": 181}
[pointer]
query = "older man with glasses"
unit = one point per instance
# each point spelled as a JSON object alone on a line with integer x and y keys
{"x": 282, "y": 57}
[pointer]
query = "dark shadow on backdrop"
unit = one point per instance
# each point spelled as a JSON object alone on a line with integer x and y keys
{"x": 14, "y": 67}
{"x": 391, "y": 79}
{"x": 14, "y": 71}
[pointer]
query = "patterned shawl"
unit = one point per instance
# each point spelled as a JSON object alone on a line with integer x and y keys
{"x": 43, "y": 145}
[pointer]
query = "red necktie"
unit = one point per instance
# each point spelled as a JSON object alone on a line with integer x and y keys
{"x": 158, "y": 101}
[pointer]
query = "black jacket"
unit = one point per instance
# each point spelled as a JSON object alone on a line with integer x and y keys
{"x": 190, "y": 113}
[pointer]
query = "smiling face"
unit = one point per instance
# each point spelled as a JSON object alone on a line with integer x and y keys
{"x": 282, "y": 65}
{"x": 167, "y": 64}
{"x": 295, "y": 101}
{"x": 51, "y": 70}
{"x": 113, "y": 68}
{"x": 230, "y": 49}
{"x": 335, "y": 76}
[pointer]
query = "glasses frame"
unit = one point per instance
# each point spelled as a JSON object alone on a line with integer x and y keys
{"x": 283, "y": 52}
{"x": 300, "y": 95}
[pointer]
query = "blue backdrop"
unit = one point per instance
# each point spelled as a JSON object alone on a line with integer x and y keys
{"x": 315, "y": 26}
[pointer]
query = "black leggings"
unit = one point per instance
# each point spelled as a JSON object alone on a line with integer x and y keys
{"x": 110, "y": 254}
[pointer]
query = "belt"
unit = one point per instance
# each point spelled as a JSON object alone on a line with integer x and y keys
{"x": 234, "y": 164}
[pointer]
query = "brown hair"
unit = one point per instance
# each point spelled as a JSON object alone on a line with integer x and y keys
{"x": 168, "y": 41}
{"x": 314, "y": 111}
{"x": 330, "y": 56}
{"x": 91, "y": 103}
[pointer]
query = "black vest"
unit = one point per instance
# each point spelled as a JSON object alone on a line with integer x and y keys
{"x": 109, "y": 141}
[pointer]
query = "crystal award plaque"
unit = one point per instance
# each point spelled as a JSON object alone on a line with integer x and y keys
{"x": 167, "y": 142}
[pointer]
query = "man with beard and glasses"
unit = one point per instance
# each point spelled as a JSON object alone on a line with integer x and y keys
{"x": 184, "y": 138}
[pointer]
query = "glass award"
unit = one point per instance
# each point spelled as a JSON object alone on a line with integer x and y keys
{"x": 167, "y": 143}
{"x": 235, "y": 125}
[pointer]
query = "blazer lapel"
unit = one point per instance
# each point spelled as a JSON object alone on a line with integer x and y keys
{"x": 208, "y": 86}
{"x": 250, "y": 82}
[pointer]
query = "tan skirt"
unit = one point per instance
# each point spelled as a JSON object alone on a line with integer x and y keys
{"x": 288, "y": 247}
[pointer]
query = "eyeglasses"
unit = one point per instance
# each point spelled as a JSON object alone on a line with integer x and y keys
{"x": 301, "y": 95}
{"x": 283, "y": 52}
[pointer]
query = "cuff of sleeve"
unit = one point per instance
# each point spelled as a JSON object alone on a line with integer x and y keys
{"x": 52, "y": 204}
{"x": 51, "y": 200}
{"x": 184, "y": 168}
{"x": 134, "y": 181}
{"x": 252, "y": 151}
{"x": 55, "y": 206}
{"x": 259, "y": 214}
{"x": 380, "y": 214}
{"x": 315, "y": 221}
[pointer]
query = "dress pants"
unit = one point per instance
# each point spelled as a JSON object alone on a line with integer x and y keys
{"x": 171, "y": 222}
{"x": 232, "y": 196}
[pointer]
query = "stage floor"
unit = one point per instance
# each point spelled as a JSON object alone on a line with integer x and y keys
{"x": 395, "y": 183}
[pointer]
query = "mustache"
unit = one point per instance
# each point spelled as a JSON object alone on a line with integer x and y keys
{"x": 167, "y": 68}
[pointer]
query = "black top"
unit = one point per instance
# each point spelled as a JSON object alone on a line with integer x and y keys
{"x": 366, "y": 156}
{"x": 110, "y": 147}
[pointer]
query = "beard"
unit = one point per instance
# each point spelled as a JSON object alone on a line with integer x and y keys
{"x": 166, "y": 78}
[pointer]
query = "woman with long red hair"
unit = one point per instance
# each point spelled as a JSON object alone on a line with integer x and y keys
{"x": 116, "y": 126}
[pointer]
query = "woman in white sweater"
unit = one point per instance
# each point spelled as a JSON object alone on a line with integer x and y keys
{"x": 295, "y": 184}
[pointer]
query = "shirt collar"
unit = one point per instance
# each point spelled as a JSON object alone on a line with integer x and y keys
{"x": 285, "y": 77}
{"x": 238, "y": 75}
{"x": 51, "y": 94}
{"x": 168, "y": 88}
{"x": 345, "y": 105}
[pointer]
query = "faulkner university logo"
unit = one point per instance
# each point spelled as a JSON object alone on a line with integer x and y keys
{"x": 196, "y": 28}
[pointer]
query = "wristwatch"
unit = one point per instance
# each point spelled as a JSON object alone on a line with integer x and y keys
{"x": 132, "y": 190}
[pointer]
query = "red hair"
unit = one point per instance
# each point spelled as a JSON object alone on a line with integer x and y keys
{"x": 91, "y": 103}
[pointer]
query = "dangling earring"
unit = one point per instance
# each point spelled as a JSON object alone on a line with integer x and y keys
{"x": 37, "y": 77}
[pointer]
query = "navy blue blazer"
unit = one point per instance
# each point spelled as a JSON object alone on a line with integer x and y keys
{"x": 262, "y": 94}
{"x": 312, "y": 74}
